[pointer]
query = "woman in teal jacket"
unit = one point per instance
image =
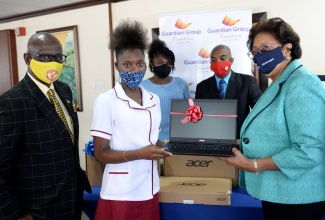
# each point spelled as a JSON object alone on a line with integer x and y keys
{"x": 282, "y": 158}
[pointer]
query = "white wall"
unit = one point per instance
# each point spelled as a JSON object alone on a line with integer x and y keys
{"x": 93, "y": 34}
{"x": 305, "y": 17}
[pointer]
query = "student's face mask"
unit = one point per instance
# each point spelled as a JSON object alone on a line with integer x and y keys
{"x": 132, "y": 79}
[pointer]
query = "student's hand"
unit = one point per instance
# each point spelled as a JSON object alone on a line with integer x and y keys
{"x": 153, "y": 152}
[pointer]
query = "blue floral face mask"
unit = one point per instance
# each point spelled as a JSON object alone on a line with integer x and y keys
{"x": 132, "y": 79}
{"x": 266, "y": 62}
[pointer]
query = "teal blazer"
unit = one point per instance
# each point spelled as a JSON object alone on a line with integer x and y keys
{"x": 288, "y": 124}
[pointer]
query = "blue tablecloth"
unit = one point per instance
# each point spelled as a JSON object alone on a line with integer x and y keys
{"x": 90, "y": 202}
{"x": 243, "y": 207}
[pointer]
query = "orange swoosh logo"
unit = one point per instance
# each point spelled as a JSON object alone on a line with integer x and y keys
{"x": 181, "y": 24}
{"x": 204, "y": 53}
{"x": 229, "y": 21}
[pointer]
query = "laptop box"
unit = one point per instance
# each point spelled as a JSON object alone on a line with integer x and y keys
{"x": 195, "y": 190}
{"x": 94, "y": 171}
{"x": 199, "y": 166}
{"x": 216, "y": 125}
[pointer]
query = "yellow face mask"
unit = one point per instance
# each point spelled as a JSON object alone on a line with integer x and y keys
{"x": 47, "y": 72}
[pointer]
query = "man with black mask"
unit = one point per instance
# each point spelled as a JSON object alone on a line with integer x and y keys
{"x": 161, "y": 64}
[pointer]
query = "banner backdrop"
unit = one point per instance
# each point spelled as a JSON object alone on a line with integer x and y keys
{"x": 192, "y": 36}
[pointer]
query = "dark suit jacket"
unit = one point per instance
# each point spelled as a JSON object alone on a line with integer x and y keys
{"x": 39, "y": 165}
{"x": 242, "y": 87}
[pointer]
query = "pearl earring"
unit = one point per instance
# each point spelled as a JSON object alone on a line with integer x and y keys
{"x": 287, "y": 57}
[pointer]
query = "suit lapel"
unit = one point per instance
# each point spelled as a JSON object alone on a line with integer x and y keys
{"x": 271, "y": 92}
{"x": 214, "y": 89}
{"x": 267, "y": 97}
{"x": 231, "y": 92}
{"x": 45, "y": 107}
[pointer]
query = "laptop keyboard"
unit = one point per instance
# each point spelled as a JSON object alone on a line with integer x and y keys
{"x": 201, "y": 149}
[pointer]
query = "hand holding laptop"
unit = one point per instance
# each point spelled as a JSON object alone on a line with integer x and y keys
{"x": 238, "y": 160}
{"x": 153, "y": 152}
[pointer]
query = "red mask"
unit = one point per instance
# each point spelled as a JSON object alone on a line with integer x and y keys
{"x": 221, "y": 69}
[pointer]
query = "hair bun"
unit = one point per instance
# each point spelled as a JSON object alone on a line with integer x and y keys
{"x": 157, "y": 44}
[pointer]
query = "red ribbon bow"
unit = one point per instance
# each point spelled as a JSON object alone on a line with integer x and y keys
{"x": 194, "y": 113}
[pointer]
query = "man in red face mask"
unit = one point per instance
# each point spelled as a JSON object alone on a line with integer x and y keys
{"x": 227, "y": 84}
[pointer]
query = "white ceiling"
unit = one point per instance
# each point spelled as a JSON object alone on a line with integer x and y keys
{"x": 19, "y": 9}
{"x": 10, "y": 8}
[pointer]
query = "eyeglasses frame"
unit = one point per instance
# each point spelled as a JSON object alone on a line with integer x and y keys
{"x": 259, "y": 51}
{"x": 49, "y": 55}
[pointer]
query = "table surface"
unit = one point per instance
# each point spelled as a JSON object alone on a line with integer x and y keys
{"x": 243, "y": 207}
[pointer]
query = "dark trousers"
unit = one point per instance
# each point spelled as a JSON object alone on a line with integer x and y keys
{"x": 79, "y": 200}
{"x": 276, "y": 211}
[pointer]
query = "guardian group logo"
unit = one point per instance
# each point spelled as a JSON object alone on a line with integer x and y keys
{"x": 204, "y": 53}
{"x": 228, "y": 21}
{"x": 231, "y": 26}
{"x": 181, "y": 24}
{"x": 180, "y": 31}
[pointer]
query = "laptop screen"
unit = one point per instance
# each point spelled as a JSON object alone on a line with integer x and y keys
{"x": 217, "y": 125}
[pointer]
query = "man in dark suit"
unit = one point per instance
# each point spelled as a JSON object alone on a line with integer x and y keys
{"x": 40, "y": 174}
{"x": 242, "y": 87}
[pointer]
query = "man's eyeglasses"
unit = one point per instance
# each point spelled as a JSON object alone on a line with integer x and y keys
{"x": 60, "y": 58}
{"x": 261, "y": 50}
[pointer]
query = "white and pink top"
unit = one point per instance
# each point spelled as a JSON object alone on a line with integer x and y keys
{"x": 128, "y": 126}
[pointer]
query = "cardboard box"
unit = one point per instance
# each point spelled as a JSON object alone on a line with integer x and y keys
{"x": 199, "y": 166}
{"x": 94, "y": 171}
{"x": 195, "y": 190}
{"x": 160, "y": 165}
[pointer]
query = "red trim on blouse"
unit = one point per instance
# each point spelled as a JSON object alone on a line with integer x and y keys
{"x": 118, "y": 172}
{"x": 101, "y": 132}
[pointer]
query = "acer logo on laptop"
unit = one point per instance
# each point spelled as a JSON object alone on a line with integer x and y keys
{"x": 198, "y": 163}
{"x": 192, "y": 184}
{"x": 201, "y": 140}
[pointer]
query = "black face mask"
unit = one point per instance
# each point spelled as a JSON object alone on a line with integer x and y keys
{"x": 162, "y": 71}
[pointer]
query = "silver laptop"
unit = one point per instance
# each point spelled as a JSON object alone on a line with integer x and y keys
{"x": 213, "y": 135}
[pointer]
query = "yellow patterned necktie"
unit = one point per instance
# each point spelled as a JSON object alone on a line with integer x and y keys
{"x": 59, "y": 110}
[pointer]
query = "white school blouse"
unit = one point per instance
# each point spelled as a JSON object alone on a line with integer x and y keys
{"x": 128, "y": 126}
